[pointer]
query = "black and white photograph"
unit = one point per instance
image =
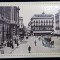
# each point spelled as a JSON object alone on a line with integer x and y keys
{"x": 29, "y": 29}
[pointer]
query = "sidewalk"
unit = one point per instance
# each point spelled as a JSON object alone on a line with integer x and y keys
{"x": 8, "y": 50}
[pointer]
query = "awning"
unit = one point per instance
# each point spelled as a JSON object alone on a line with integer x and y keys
{"x": 42, "y": 31}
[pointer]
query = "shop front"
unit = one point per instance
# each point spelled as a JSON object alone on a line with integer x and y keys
{"x": 39, "y": 33}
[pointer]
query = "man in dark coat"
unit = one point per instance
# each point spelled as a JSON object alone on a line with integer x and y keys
{"x": 11, "y": 44}
{"x": 35, "y": 42}
{"x": 29, "y": 49}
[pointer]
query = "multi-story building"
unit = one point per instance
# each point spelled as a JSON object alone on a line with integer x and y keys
{"x": 57, "y": 23}
{"x": 9, "y": 20}
{"x": 42, "y": 24}
{"x": 21, "y": 22}
{"x": 14, "y": 22}
{"x": 21, "y": 26}
{"x": 29, "y": 28}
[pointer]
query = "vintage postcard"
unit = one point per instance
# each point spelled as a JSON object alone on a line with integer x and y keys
{"x": 29, "y": 29}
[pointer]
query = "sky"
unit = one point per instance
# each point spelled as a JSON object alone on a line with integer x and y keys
{"x": 28, "y": 11}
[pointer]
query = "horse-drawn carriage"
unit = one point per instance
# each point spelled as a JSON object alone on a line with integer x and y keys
{"x": 47, "y": 42}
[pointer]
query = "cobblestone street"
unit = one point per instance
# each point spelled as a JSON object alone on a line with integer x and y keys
{"x": 39, "y": 48}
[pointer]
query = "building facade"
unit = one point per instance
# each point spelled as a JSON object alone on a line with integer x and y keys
{"x": 42, "y": 24}
{"x": 21, "y": 26}
{"x": 29, "y": 28}
{"x": 21, "y": 22}
{"x": 9, "y": 20}
{"x": 57, "y": 23}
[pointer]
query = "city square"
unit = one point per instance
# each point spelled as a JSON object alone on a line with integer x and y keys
{"x": 21, "y": 33}
{"x": 39, "y": 48}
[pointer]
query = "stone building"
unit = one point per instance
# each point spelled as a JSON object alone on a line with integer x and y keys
{"x": 42, "y": 24}
{"x": 21, "y": 26}
{"x": 29, "y": 28}
{"x": 9, "y": 20}
{"x": 57, "y": 23}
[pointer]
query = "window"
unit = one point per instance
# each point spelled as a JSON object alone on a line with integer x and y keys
{"x": 32, "y": 28}
{"x": 32, "y": 24}
{"x": 49, "y": 22}
{"x": 41, "y": 22}
{"x": 44, "y": 22}
{"x": 38, "y": 28}
{"x": 35, "y": 28}
{"x": 36, "y": 23}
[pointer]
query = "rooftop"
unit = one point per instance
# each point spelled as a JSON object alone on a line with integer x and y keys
{"x": 42, "y": 15}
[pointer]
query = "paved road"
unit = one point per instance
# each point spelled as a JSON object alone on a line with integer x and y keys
{"x": 39, "y": 48}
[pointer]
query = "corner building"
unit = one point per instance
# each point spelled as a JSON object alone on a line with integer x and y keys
{"x": 9, "y": 22}
{"x": 42, "y": 24}
{"x": 57, "y": 23}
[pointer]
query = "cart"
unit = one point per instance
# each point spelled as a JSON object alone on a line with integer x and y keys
{"x": 47, "y": 42}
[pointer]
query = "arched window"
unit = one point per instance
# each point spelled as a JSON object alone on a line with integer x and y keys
{"x": 36, "y": 23}
{"x": 49, "y": 22}
{"x": 46, "y": 22}
{"x": 52, "y": 22}
{"x": 41, "y": 22}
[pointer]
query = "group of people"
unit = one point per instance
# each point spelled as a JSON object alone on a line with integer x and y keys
{"x": 10, "y": 43}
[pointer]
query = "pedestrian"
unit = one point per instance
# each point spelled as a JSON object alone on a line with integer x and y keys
{"x": 17, "y": 44}
{"x": 29, "y": 49}
{"x": 39, "y": 38}
{"x": 52, "y": 44}
{"x": 7, "y": 43}
{"x": 35, "y": 42}
{"x": 11, "y": 43}
{"x": 17, "y": 41}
